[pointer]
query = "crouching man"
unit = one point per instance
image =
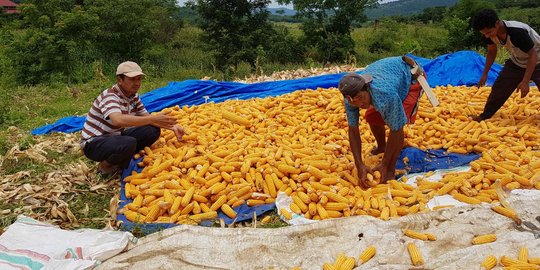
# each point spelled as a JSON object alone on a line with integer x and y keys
{"x": 390, "y": 93}
{"x": 118, "y": 125}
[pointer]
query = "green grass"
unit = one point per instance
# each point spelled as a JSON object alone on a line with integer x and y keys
{"x": 275, "y": 222}
{"x": 294, "y": 28}
{"x": 98, "y": 205}
{"x": 419, "y": 39}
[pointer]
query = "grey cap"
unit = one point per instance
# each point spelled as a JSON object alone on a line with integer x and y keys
{"x": 352, "y": 83}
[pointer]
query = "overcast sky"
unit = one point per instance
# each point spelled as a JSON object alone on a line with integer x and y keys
{"x": 275, "y": 4}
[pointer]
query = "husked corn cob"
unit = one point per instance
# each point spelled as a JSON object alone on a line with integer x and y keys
{"x": 286, "y": 214}
{"x": 266, "y": 219}
{"x": 367, "y": 254}
{"x": 414, "y": 253}
{"x": 328, "y": 266}
{"x": 535, "y": 260}
{"x": 204, "y": 216}
{"x": 235, "y": 118}
{"x": 489, "y": 262}
{"x": 510, "y": 262}
{"x": 336, "y": 197}
{"x": 227, "y": 210}
{"x": 134, "y": 216}
{"x": 523, "y": 254}
{"x": 466, "y": 199}
{"x": 322, "y": 212}
{"x": 153, "y": 213}
{"x": 483, "y": 239}
{"x": 349, "y": 264}
{"x": 340, "y": 260}
{"x": 415, "y": 234}
{"x": 505, "y": 212}
{"x": 218, "y": 203}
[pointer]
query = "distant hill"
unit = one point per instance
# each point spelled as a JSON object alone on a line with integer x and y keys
{"x": 282, "y": 11}
{"x": 406, "y": 7}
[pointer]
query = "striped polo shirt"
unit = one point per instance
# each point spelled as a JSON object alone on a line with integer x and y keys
{"x": 520, "y": 39}
{"x": 109, "y": 101}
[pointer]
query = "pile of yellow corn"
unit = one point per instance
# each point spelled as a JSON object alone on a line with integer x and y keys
{"x": 523, "y": 261}
{"x": 247, "y": 151}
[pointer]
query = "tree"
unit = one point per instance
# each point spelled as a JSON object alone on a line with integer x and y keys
{"x": 54, "y": 38}
{"x": 431, "y": 15}
{"x": 460, "y": 34}
{"x": 327, "y": 25}
{"x": 525, "y": 15}
{"x": 63, "y": 38}
{"x": 129, "y": 27}
{"x": 234, "y": 29}
{"x": 500, "y": 4}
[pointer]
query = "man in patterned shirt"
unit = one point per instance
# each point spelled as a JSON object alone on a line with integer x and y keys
{"x": 523, "y": 43}
{"x": 390, "y": 93}
{"x": 118, "y": 125}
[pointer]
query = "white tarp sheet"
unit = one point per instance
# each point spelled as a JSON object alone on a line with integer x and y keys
{"x": 30, "y": 244}
{"x": 309, "y": 246}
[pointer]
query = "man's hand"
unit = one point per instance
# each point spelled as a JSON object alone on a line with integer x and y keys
{"x": 179, "y": 132}
{"x": 482, "y": 81}
{"x": 362, "y": 176}
{"x": 163, "y": 120}
{"x": 383, "y": 170}
{"x": 524, "y": 88}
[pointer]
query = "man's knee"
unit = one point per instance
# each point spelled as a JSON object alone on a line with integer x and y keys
{"x": 154, "y": 133}
{"x": 128, "y": 145}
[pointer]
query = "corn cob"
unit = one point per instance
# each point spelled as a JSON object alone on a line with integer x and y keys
{"x": 219, "y": 202}
{"x": 415, "y": 234}
{"x": 204, "y": 216}
{"x": 414, "y": 253}
{"x": 368, "y": 253}
{"x": 328, "y": 266}
{"x": 349, "y": 264}
{"x": 523, "y": 254}
{"x": 489, "y": 262}
{"x": 506, "y": 212}
{"x": 286, "y": 214}
{"x": 340, "y": 260}
{"x": 227, "y": 210}
{"x": 483, "y": 239}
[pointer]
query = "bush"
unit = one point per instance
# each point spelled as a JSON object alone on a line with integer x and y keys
{"x": 525, "y": 15}
{"x": 284, "y": 48}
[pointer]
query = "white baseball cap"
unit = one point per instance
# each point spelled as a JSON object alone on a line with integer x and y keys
{"x": 129, "y": 68}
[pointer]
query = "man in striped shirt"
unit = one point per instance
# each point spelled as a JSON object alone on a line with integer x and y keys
{"x": 118, "y": 125}
{"x": 523, "y": 43}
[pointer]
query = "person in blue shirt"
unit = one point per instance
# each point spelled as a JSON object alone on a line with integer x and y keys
{"x": 390, "y": 93}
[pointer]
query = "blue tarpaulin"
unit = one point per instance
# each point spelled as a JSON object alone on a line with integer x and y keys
{"x": 460, "y": 68}
{"x": 431, "y": 160}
